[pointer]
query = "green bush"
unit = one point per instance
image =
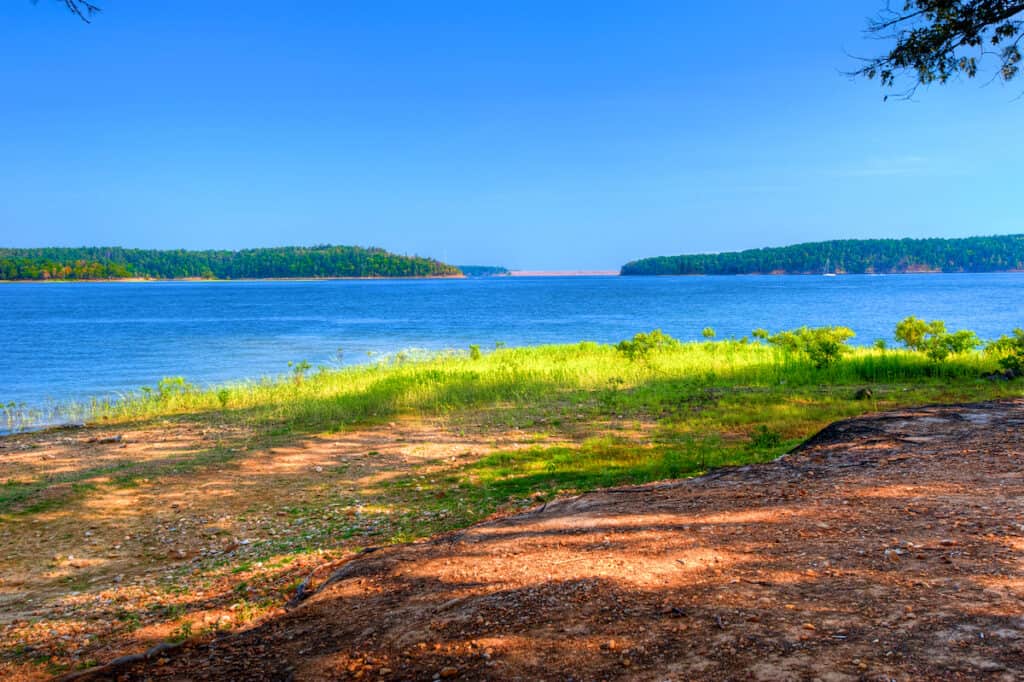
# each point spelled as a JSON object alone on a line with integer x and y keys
{"x": 642, "y": 345}
{"x": 172, "y": 386}
{"x": 1009, "y": 351}
{"x": 708, "y": 332}
{"x": 822, "y": 345}
{"x": 932, "y": 339}
{"x": 764, "y": 438}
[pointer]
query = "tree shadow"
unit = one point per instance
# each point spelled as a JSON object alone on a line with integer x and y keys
{"x": 896, "y": 555}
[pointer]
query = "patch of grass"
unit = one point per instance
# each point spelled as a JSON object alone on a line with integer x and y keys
{"x": 536, "y": 380}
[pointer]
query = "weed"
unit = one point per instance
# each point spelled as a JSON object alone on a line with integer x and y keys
{"x": 764, "y": 438}
{"x": 182, "y": 632}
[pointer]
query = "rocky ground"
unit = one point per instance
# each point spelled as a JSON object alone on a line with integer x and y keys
{"x": 889, "y": 547}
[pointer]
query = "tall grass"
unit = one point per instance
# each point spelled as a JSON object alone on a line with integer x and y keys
{"x": 538, "y": 377}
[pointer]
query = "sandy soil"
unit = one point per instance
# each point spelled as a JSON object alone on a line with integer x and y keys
{"x": 890, "y": 547}
{"x": 135, "y": 531}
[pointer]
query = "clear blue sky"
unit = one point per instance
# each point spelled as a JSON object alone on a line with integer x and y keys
{"x": 529, "y": 134}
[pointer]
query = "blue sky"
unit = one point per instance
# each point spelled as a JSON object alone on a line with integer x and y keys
{"x": 562, "y": 135}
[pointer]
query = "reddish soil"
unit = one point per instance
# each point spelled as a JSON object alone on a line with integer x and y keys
{"x": 888, "y": 547}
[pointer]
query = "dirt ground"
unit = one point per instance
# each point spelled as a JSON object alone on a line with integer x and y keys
{"x": 889, "y": 547}
{"x": 136, "y": 535}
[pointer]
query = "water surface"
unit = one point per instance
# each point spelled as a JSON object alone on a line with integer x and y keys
{"x": 61, "y": 342}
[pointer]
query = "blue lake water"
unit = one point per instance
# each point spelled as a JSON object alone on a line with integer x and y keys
{"x": 61, "y": 342}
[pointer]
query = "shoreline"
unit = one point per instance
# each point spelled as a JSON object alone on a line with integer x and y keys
{"x": 563, "y": 273}
{"x": 144, "y": 280}
{"x": 225, "y": 501}
{"x": 831, "y": 274}
{"x": 511, "y": 274}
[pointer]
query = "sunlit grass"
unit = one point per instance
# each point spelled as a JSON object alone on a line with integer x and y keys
{"x": 549, "y": 377}
{"x": 697, "y": 406}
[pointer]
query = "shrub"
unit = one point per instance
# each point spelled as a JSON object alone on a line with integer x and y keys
{"x": 299, "y": 370}
{"x": 474, "y": 351}
{"x": 932, "y": 339}
{"x": 764, "y": 438}
{"x": 641, "y": 345}
{"x": 822, "y": 345}
{"x": 1009, "y": 351}
{"x": 911, "y": 331}
{"x": 708, "y": 333}
{"x": 172, "y": 386}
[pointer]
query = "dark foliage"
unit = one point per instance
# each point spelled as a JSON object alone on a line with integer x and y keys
{"x": 853, "y": 256}
{"x": 482, "y": 270}
{"x": 289, "y": 261}
{"x": 934, "y": 40}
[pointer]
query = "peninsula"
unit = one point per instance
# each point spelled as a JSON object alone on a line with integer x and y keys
{"x": 286, "y": 262}
{"x": 848, "y": 256}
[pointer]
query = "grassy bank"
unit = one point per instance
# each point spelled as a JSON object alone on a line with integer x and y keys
{"x": 597, "y": 416}
{"x": 588, "y": 378}
{"x": 216, "y": 502}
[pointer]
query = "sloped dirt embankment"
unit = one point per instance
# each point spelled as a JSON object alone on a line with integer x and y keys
{"x": 888, "y": 547}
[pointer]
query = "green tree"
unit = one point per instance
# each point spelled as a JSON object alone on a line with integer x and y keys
{"x": 1009, "y": 350}
{"x": 935, "y": 40}
{"x": 823, "y": 346}
{"x": 932, "y": 339}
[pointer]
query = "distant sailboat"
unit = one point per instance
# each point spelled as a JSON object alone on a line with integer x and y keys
{"x": 828, "y": 266}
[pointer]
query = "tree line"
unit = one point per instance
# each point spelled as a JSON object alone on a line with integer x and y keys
{"x": 849, "y": 256}
{"x": 483, "y": 270}
{"x": 91, "y": 263}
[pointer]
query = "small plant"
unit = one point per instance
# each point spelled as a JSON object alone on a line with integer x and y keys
{"x": 764, "y": 438}
{"x": 1009, "y": 352}
{"x": 610, "y": 396}
{"x": 642, "y": 345}
{"x": 708, "y": 333}
{"x": 822, "y": 345}
{"x": 169, "y": 387}
{"x": 761, "y": 334}
{"x": 932, "y": 339}
{"x": 299, "y": 370}
{"x": 880, "y": 344}
{"x": 223, "y": 395}
{"x": 182, "y": 632}
{"x": 474, "y": 351}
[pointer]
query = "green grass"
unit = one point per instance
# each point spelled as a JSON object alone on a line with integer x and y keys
{"x": 547, "y": 381}
{"x": 594, "y": 418}
{"x": 697, "y": 406}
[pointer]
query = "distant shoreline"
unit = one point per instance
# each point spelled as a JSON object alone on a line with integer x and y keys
{"x": 1016, "y": 271}
{"x": 512, "y": 273}
{"x": 138, "y": 280}
{"x": 563, "y": 273}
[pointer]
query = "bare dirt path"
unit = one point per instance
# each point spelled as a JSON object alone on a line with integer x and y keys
{"x": 888, "y": 547}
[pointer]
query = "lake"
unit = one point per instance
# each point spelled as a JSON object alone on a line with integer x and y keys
{"x": 61, "y": 342}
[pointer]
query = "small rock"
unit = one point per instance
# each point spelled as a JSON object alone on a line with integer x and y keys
{"x": 447, "y": 672}
{"x": 863, "y": 394}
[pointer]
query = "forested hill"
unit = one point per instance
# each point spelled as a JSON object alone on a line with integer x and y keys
{"x": 289, "y": 261}
{"x": 850, "y": 256}
{"x": 483, "y": 270}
